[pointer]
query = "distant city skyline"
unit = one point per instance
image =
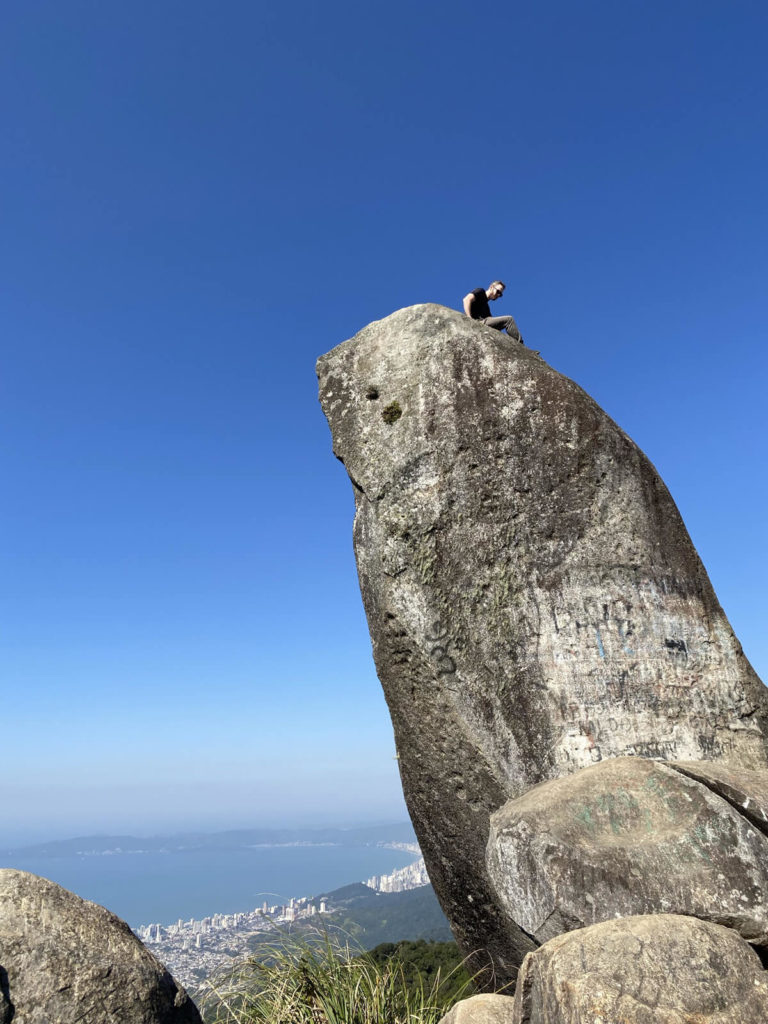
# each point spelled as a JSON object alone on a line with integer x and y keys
{"x": 197, "y": 948}
{"x": 205, "y": 198}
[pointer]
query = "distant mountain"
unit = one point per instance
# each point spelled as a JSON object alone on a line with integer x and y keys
{"x": 363, "y": 836}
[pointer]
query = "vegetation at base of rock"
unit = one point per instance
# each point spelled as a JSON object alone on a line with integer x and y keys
{"x": 318, "y": 980}
{"x": 392, "y": 412}
{"x": 423, "y": 961}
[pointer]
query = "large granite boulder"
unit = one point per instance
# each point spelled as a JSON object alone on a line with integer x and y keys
{"x": 627, "y": 836}
{"x": 659, "y": 969}
{"x": 534, "y": 600}
{"x": 67, "y": 960}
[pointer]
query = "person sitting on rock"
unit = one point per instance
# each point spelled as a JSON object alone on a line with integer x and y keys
{"x": 476, "y": 307}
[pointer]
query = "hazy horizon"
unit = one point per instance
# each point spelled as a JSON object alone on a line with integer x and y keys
{"x": 22, "y": 837}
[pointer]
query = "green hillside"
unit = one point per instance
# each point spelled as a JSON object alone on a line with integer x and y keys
{"x": 427, "y": 963}
{"x": 369, "y": 918}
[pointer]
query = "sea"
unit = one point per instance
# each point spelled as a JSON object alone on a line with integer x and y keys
{"x": 161, "y": 887}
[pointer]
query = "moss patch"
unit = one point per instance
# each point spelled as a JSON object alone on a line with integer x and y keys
{"x": 392, "y": 412}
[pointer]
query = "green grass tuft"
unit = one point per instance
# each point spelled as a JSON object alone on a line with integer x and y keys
{"x": 321, "y": 980}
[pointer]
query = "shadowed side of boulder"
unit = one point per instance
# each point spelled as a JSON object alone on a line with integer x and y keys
{"x": 6, "y": 1009}
{"x": 68, "y": 960}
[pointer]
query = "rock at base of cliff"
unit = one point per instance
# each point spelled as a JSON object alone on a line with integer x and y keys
{"x": 627, "y": 836}
{"x": 482, "y": 1009}
{"x": 68, "y": 960}
{"x": 656, "y": 969}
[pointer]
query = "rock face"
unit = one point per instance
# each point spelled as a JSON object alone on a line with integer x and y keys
{"x": 662, "y": 969}
{"x": 68, "y": 960}
{"x": 624, "y": 837}
{"x": 746, "y": 790}
{"x": 534, "y": 600}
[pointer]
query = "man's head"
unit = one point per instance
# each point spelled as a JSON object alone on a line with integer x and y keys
{"x": 495, "y": 289}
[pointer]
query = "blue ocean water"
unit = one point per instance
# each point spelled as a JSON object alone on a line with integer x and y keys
{"x": 146, "y": 888}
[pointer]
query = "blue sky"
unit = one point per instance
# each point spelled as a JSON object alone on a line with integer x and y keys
{"x": 198, "y": 200}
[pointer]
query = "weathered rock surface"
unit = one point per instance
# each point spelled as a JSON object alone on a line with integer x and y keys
{"x": 660, "y": 969}
{"x": 69, "y": 960}
{"x": 482, "y": 1009}
{"x": 627, "y": 836}
{"x": 746, "y": 790}
{"x": 534, "y": 600}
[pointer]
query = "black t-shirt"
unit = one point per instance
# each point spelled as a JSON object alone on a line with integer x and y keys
{"x": 480, "y": 308}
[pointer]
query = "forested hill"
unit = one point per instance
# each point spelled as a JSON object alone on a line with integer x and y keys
{"x": 369, "y": 918}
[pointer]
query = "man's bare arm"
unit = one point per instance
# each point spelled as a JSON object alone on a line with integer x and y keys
{"x": 469, "y": 301}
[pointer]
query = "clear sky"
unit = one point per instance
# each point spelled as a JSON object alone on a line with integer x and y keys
{"x": 199, "y": 199}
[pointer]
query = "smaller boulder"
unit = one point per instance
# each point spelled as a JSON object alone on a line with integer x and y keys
{"x": 655, "y": 969}
{"x": 746, "y": 789}
{"x": 482, "y": 1009}
{"x": 623, "y": 837}
{"x": 68, "y": 960}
